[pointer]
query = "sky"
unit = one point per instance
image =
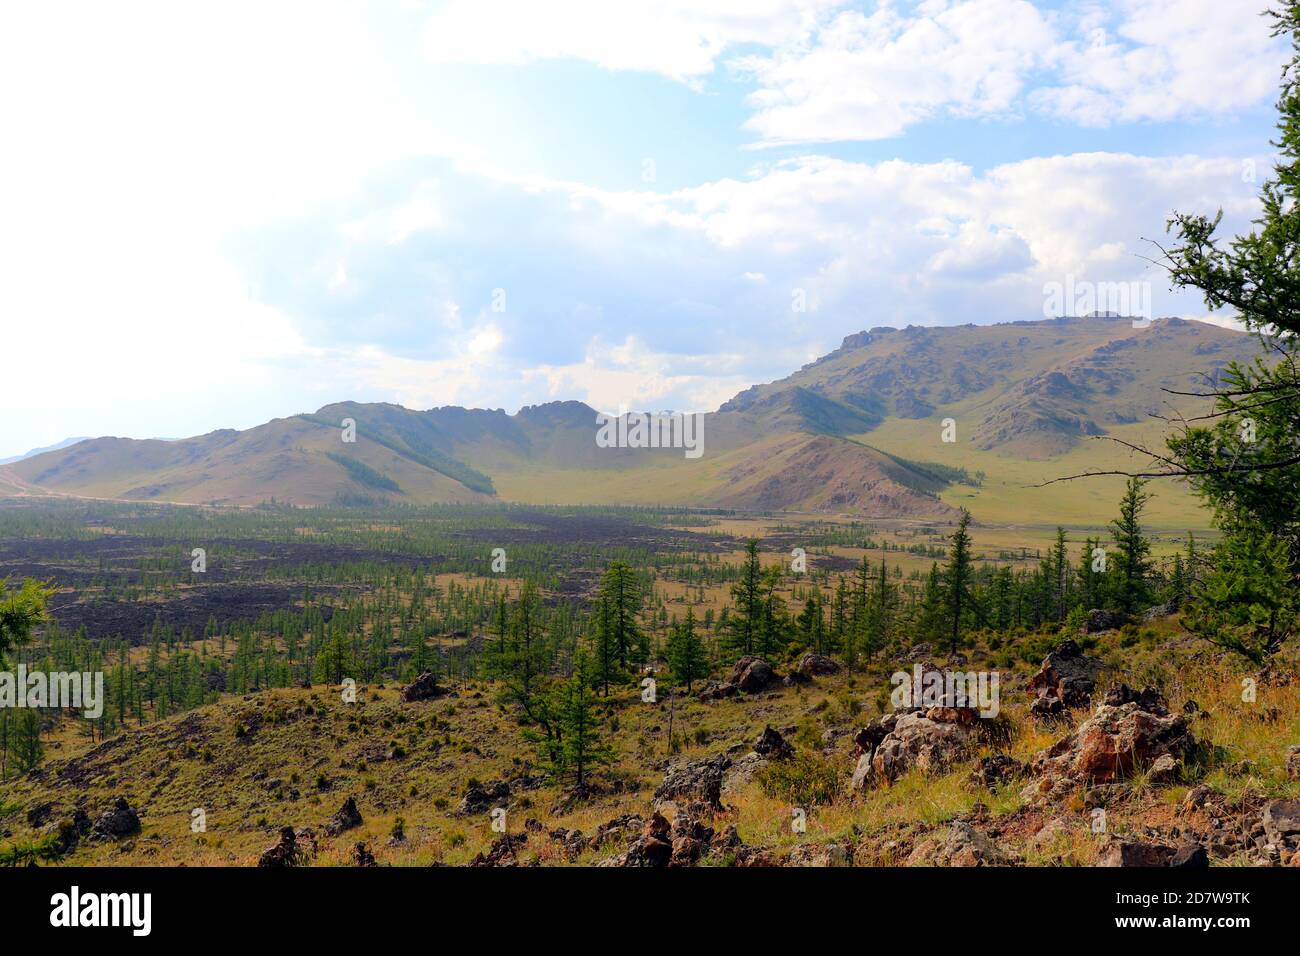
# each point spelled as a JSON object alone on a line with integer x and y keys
{"x": 214, "y": 215}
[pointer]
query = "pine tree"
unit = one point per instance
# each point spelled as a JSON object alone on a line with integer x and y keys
{"x": 577, "y": 728}
{"x": 619, "y": 588}
{"x": 686, "y": 654}
{"x": 957, "y": 581}
{"x": 1130, "y": 590}
{"x": 746, "y": 616}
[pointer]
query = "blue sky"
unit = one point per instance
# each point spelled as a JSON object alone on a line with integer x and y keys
{"x": 213, "y": 219}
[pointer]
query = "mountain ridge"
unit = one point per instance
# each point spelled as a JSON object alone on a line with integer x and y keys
{"x": 1032, "y": 390}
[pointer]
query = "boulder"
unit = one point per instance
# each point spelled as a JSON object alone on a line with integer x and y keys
{"x": 816, "y": 665}
{"x": 1100, "y": 619}
{"x": 962, "y": 845}
{"x": 347, "y": 818}
{"x": 361, "y": 856}
{"x": 695, "y": 780}
{"x": 772, "y": 745}
{"x": 1068, "y": 675}
{"x": 118, "y": 821}
{"x": 654, "y": 847}
{"x": 1281, "y": 820}
{"x": 913, "y": 740}
{"x": 480, "y": 798}
{"x": 294, "y": 848}
{"x": 751, "y": 675}
{"x": 424, "y": 687}
{"x": 1190, "y": 856}
{"x": 1135, "y": 853}
{"x": 995, "y": 770}
{"x": 1107, "y": 747}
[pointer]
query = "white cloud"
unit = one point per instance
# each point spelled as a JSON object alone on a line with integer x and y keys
{"x": 872, "y": 76}
{"x": 1165, "y": 60}
{"x": 680, "y": 39}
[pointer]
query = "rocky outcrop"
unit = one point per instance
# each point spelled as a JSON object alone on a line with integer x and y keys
{"x": 697, "y": 780}
{"x": 748, "y": 675}
{"x": 772, "y": 745}
{"x": 424, "y": 687}
{"x": 482, "y": 797}
{"x": 996, "y": 769}
{"x": 1067, "y": 675}
{"x": 1109, "y": 746}
{"x": 962, "y": 845}
{"x": 118, "y": 821}
{"x": 294, "y": 848}
{"x": 1281, "y": 820}
{"x": 347, "y": 818}
{"x": 931, "y": 741}
{"x": 503, "y": 852}
{"x": 815, "y": 665}
{"x": 1293, "y": 762}
{"x": 1100, "y": 619}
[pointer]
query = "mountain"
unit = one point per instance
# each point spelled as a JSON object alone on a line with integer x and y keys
{"x": 40, "y": 451}
{"x": 857, "y": 431}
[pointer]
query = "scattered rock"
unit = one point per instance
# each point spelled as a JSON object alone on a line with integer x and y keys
{"x": 1164, "y": 771}
{"x": 1281, "y": 820}
{"x": 502, "y": 852}
{"x": 1293, "y": 762}
{"x": 1148, "y": 699}
{"x": 821, "y": 855}
{"x": 654, "y": 847}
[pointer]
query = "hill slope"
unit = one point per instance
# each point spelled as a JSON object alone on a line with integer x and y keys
{"x": 857, "y": 431}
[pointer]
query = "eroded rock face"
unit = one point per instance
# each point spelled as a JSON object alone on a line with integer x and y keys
{"x": 1108, "y": 747}
{"x": 1068, "y": 675}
